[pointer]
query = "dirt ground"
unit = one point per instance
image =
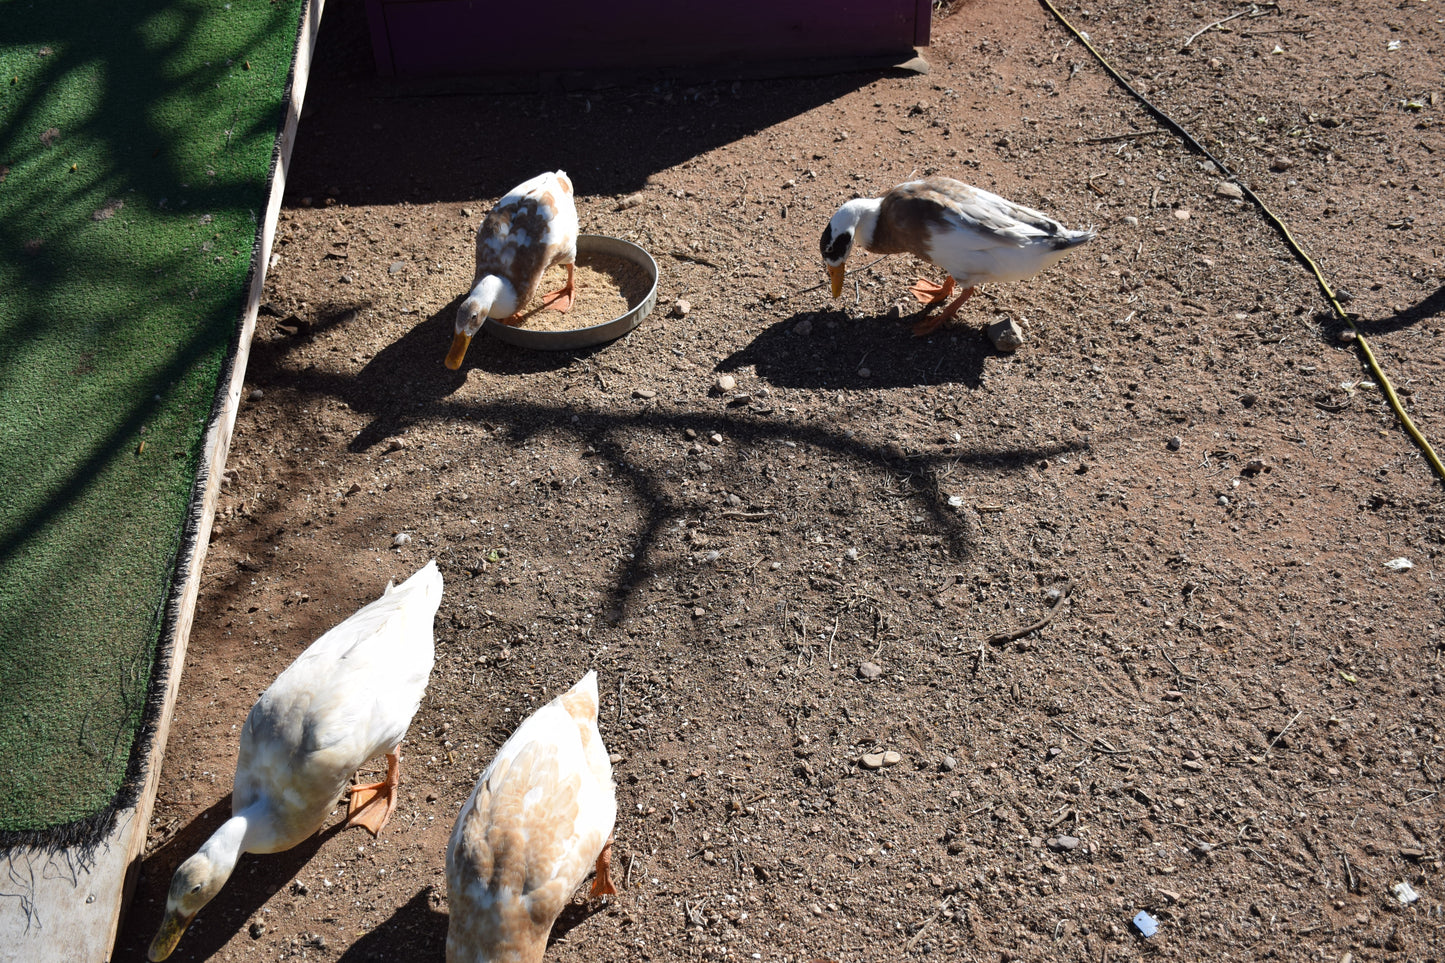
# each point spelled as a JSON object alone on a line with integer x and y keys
{"x": 1231, "y": 720}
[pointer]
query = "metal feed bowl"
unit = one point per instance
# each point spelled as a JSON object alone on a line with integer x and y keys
{"x": 572, "y": 338}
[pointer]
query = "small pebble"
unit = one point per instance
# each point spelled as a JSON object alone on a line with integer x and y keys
{"x": 1063, "y": 844}
{"x": 1347, "y": 336}
{"x": 256, "y": 930}
{"x": 715, "y": 438}
{"x": 400, "y": 539}
{"x": 891, "y": 758}
{"x": 869, "y": 670}
{"x": 256, "y": 394}
{"x": 726, "y": 382}
{"x": 644, "y": 393}
{"x": 1281, "y": 164}
{"x": 1181, "y": 213}
{"x": 1132, "y": 221}
{"x": 680, "y": 308}
{"x": 948, "y": 764}
{"x": 803, "y": 328}
{"x": 615, "y": 758}
{"x": 871, "y": 760}
{"x": 1229, "y": 189}
{"x": 1175, "y": 443}
{"x": 396, "y": 267}
{"x": 344, "y": 279}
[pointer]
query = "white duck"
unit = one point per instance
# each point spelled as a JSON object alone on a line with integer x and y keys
{"x": 530, "y": 230}
{"x": 348, "y": 698}
{"x": 973, "y": 235}
{"x": 540, "y": 817}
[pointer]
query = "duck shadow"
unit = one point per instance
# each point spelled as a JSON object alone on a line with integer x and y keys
{"x": 255, "y": 880}
{"x": 416, "y": 931}
{"x": 406, "y": 382}
{"x": 832, "y": 349}
{"x": 1432, "y": 305}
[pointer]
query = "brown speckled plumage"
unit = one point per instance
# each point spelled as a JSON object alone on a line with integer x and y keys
{"x": 538, "y": 820}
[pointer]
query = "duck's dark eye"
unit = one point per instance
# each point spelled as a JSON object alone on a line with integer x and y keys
{"x": 835, "y": 249}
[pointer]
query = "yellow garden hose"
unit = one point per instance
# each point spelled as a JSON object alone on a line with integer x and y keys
{"x": 1370, "y": 361}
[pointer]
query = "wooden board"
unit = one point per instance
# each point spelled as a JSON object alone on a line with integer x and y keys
{"x": 418, "y": 38}
{"x": 61, "y": 907}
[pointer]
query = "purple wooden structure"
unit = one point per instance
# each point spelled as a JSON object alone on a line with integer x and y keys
{"x": 419, "y": 38}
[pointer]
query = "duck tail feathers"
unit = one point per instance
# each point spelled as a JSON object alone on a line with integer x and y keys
{"x": 1067, "y": 239}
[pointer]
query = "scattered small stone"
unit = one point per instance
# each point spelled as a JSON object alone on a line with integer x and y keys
{"x": 1006, "y": 335}
{"x": 344, "y": 279}
{"x": 1193, "y": 765}
{"x": 891, "y": 758}
{"x": 1173, "y": 695}
{"x": 865, "y": 373}
{"x": 1181, "y": 213}
{"x": 628, "y": 202}
{"x": 869, "y": 670}
{"x": 715, "y": 439}
{"x": 1064, "y": 844}
{"x": 300, "y": 888}
{"x": 726, "y": 382}
{"x": 1348, "y": 335}
{"x": 803, "y": 328}
{"x": 698, "y": 613}
{"x": 256, "y": 395}
{"x": 1405, "y": 893}
{"x": 615, "y": 758}
{"x": 466, "y": 212}
{"x": 815, "y": 909}
{"x": 871, "y": 760}
{"x": 353, "y": 490}
{"x": 1170, "y": 895}
{"x": 1281, "y": 164}
{"x": 396, "y": 267}
{"x": 1229, "y": 189}
{"x": 948, "y": 764}
{"x": 1131, "y": 220}
{"x": 400, "y": 539}
{"x": 256, "y": 929}
{"x": 1054, "y": 752}
{"x": 1175, "y": 443}
{"x": 1192, "y": 754}
{"x": 396, "y": 444}
{"x": 644, "y": 393}
{"x": 680, "y": 308}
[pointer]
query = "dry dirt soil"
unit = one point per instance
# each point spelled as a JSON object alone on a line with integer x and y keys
{"x": 1231, "y": 720}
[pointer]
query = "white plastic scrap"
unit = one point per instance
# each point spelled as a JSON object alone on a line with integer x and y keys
{"x": 1399, "y": 564}
{"x": 1405, "y": 893}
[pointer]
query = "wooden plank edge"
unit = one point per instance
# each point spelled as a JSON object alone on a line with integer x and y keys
{"x": 70, "y": 907}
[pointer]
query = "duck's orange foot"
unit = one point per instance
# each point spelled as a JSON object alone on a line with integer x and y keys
{"x": 372, "y": 804}
{"x": 563, "y": 298}
{"x": 602, "y": 883}
{"x": 929, "y": 325}
{"x": 929, "y": 292}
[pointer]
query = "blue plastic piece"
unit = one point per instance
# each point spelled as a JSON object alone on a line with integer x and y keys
{"x": 1145, "y": 924}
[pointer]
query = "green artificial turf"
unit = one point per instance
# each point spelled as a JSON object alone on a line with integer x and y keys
{"x": 135, "y": 151}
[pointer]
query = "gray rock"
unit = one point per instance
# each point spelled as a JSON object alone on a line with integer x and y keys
{"x": 871, "y": 760}
{"x": 869, "y": 670}
{"x": 1063, "y": 844}
{"x": 1006, "y": 335}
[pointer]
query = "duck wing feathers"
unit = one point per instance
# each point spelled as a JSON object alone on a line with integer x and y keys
{"x": 531, "y": 229}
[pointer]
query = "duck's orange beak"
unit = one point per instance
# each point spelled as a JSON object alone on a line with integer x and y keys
{"x": 459, "y": 350}
{"x": 835, "y": 274}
